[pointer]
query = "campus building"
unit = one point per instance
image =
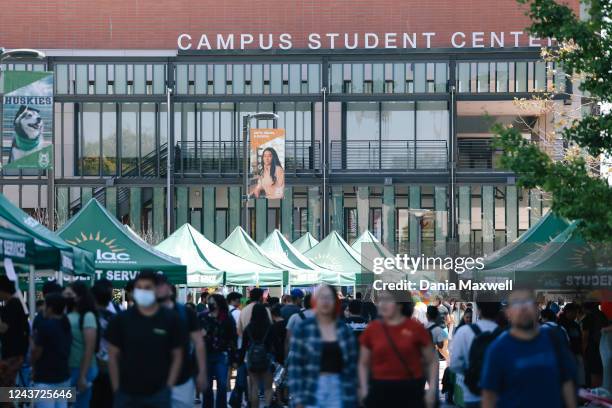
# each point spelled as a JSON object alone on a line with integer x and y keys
{"x": 387, "y": 107}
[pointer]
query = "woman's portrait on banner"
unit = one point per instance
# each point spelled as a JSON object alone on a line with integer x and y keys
{"x": 267, "y": 163}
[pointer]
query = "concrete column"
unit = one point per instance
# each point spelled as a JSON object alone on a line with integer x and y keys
{"x": 287, "y": 213}
{"x": 414, "y": 201}
{"x": 111, "y": 200}
{"x": 159, "y": 214}
{"x": 136, "y": 208}
{"x": 535, "y": 202}
{"x": 209, "y": 204}
{"x": 314, "y": 212}
{"x": 261, "y": 216}
{"x": 488, "y": 219}
{"x": 464, "y": 219}
{"x": 337, "y": 210}
{"x": 388, "y": 215}
{"x": 235, "y": 205}
{"x": 61, "y": 208}
{"x": 441, "y": 219}
{"x": 511, "y": 213}
{"x": 86, "y": 194}
{"x": 363, "y": 208}
{"x": 182, "y": 206}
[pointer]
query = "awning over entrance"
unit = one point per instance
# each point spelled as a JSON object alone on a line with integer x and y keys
{"x": 69, "y": 259}
{"x": 119, "y": 254}
{"x": 305, "y": 242}
{"x": 271, "y": 273}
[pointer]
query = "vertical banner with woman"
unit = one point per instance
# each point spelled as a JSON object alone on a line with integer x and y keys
{"x": 267, "y": 163}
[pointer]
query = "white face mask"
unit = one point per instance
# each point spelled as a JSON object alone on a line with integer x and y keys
{"x": 144, "y": 297}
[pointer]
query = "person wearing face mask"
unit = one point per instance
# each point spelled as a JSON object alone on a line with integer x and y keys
{"x": 220, "y": 337}
{"x": 529, "y": 365}
{"x": 145, "y": 349}
{"x": 193, "y": 348}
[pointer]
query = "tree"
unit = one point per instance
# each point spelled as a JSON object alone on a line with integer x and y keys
{"x": 584, "y": 51}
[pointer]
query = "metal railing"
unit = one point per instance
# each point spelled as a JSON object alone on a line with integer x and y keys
{"x": 225, "y": 157}
{"x": 475, "y": 154}
{"x": 389, "y": 155}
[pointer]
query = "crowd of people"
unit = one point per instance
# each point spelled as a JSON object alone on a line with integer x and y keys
{"x": 318, "y": 349}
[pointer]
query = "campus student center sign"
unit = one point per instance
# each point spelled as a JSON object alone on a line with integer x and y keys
{"x": 316, "y": 41}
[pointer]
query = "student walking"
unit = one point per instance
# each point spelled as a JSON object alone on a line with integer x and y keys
{"x": 258, "y": 346}
{"x": 145, "y": 349}
{"x": 51, "y": 350}
{"x": 322, "y": 357}
{"x": 529, "y": 365}
{"x": 220, "y": 338}
{"x": 14, "y": 333}
{"x": 396, "y": 359}
{"x": 194, "y": 360}
{"x": 83, "y": 318}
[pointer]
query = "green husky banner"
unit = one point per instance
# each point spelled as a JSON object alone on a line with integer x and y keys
{"x": 27, "y": 120}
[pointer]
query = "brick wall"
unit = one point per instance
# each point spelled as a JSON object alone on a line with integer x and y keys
{"x": 156, "y": 24}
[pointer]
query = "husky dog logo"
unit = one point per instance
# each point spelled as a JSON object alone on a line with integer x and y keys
{"x": 28, "y": 133}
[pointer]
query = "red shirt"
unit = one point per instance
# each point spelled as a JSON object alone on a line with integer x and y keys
{"x": 409, "y": 338}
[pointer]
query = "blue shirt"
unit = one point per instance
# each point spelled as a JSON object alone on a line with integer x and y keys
{"x": 527, "y": 373}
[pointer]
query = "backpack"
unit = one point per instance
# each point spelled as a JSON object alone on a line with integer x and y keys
{"x": 478, "y": 349}
{"x": 257, "y": 357}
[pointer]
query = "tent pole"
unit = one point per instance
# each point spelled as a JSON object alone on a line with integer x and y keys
{"x": 31, "y": 292}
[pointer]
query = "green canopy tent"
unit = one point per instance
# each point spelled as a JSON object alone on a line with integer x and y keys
{"x": 334, "y": 254}
{"x": 72, "y": 260}
{"x": 241, "y": 244}
{"x": 119, "y": 254}
{"x": 209, "y": 264}
{"x": 305, "y": 242}
{"x": 568, "y": 254}
{"x": 25, "y": 250}
{"x": 540, "y": 234}
{"x": 302, "y": 271}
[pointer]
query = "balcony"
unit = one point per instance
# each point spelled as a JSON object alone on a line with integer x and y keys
{"x": 225, "y": 157}
{"x": 392, "y": 156}
{"x": 478, "y": 154}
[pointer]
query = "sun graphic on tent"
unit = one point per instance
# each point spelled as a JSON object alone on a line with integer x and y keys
{"x": 109, "y": 243}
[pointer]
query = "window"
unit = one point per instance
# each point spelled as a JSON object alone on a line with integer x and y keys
{"x": 90, "y": 149}
{"x": 300, "y": 222}
{"x": 403, "y": 230}
{"x": 109, "y": 139}
{"x": 351, "y": 231}
{"x": 129, "y": 138}
{"x": 273, "y": 219}
{"x": 375, "y": 223}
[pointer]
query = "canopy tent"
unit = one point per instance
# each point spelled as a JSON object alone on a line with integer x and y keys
{"x": 119, "y": 254}
{"x": 305, "y": 242}
{"x": 370, "y": 239}
{"x": 567, "y": 254}
{"x": 541, "y": 233}
{"x": 70, "y": 259}
{"x": 208, "y": 264}
{"x": 270, "y": 273}
{"x": 302, "y": 271}
{"x": 23, "y": 249}
{"x": 334, "y": 254}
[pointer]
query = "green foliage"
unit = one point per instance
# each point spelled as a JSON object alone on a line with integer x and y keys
{"x": 588, "y": 53}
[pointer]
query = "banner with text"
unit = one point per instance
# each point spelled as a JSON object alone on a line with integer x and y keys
{"x": 267, "y": 163}
{"x": 27, "y": 120}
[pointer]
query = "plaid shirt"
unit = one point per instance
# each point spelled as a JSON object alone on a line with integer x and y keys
{"x": 304, "y": 363}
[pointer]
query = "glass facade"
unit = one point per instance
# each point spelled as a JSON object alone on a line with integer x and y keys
{"x": 357, "y": 120}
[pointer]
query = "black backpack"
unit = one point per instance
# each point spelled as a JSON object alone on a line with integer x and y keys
{"x": 478, "y": 349}
{"x": 258, "y": 359}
